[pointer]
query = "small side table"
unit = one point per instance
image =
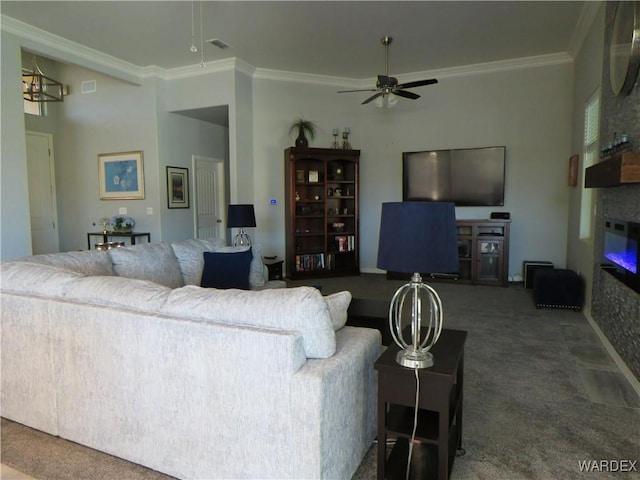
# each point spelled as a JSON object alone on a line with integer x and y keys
{"x": 275, "y": 269}
{"x": 105, "y": 236}
{"x": 439, "y": 428}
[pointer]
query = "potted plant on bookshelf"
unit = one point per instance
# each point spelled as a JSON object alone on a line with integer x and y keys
{"x": 304, "y": 128}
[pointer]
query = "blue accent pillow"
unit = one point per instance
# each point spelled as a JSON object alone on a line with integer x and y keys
{"x": 226, "y": 270}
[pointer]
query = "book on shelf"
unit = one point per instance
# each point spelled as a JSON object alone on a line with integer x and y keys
{"x": 345, "y": 243}
{"x": 310, "y": 262}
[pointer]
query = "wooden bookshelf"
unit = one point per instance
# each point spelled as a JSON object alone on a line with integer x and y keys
{"x": 322, "y": 212}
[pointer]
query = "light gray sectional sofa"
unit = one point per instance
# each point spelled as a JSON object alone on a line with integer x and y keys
{"x": 122, "y": 351}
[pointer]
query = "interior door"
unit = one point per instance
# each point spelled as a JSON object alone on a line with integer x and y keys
{"x": 42, "y": 193}
{"x": 209, "y": 195}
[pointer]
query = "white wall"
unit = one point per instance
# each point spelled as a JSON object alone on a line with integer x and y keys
{"x": 588, "y": 75}
{"x": 118, "y": 117}
{"x": 15, "y": 231}
{"x": 275, "y": 105}
{"x": 182, "y": 137}
{"x": 528, "y": 110}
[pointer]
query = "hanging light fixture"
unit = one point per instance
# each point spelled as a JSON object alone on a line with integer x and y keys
{"x": 201, "y": 39}
{"x": 37, "y": 87}
{"x": 193, "y": 48}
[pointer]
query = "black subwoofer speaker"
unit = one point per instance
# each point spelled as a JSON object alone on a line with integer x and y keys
{"x": 558, "y": 288}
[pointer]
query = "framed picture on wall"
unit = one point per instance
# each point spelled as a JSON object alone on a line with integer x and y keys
{"x": 121, "y": 175}
{"x": 177, "y": 187}
{"x": 574, "y": 161}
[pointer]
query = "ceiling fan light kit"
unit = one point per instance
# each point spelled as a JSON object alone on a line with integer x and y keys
{"x": 387, "y": 87}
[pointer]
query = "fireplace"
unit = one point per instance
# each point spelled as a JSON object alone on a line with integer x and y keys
{"x": 621, "y": 251}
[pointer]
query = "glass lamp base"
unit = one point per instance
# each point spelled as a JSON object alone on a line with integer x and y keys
{"x": 414, "y": 359}
{"x": 242, "y": 239}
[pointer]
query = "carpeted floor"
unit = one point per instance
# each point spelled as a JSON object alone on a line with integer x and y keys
{"x": 541, "y": 396}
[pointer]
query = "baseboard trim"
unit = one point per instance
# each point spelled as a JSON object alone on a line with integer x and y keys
{"x": 635, "y": 384}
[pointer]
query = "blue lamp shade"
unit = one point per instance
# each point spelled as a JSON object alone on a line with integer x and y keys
{"x": 418, "y": 237}
{"x": 241, "y": 216}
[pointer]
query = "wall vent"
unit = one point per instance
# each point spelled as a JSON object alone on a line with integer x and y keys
{"x": 89, "y": 86}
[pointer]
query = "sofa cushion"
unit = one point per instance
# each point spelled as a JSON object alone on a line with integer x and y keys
{"x": 299, "y": 309}
{"x": 256, "y": 272}
{"x": 86, "y": 262}
{"x": 226, "y": 270}
{"x": 119, "y": 292}
{"x": 190, "y": 259}
{"x": 37, "y": 279}
{"x": 338, "y": 304}
{"x": 155, "y": 262}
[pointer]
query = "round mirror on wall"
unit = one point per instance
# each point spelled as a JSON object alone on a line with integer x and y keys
{"x": 624, "y": 58}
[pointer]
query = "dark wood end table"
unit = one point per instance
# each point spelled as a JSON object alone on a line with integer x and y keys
{"x": 439, "y": 427}
{"x": 274, "y": 268}
{"x": 366, "y": 312}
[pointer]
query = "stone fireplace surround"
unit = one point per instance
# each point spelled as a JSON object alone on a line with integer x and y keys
{"x": 615, "y": 307}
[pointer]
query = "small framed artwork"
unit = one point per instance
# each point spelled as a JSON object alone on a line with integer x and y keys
{"x": 121, "y": 175}
{"x": 299, "y": 176}
{"x": 177, "y": 187}
{"x": 313, "y": 176}
{"x": 573, "y": 170}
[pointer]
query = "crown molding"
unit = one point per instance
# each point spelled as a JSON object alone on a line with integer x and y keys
{"x": 60, "y": 49}
{"x": 585, "y": 21}
{"x": 490, "y": 67}
{"x": 224, "y": 65}
{"x": 308, "y": 78}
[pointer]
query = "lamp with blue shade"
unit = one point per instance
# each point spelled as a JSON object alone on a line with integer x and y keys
{"x": 417, "y": 237}
{"x": 241, "y": 216}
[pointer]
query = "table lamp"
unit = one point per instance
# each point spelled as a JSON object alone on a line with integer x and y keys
{"x": 241, "y": 216}
{"x": 417, "y": 237}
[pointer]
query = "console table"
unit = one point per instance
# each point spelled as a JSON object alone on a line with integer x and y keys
{"x": 105, "y": 236}
{"x": 439, "y": 427}
{"x": 483, "y": 254}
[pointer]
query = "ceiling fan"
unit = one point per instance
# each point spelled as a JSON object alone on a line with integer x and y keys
{"x": 387, "y": 85}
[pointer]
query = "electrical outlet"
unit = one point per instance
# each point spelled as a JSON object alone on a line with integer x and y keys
{"x": 122, "y": 210}
{"x": 149, "y": 210}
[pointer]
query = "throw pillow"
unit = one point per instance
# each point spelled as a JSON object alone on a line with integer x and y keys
{"x": 338, "y": 304}
{"x": 189, "y": 254}
{"x": 226, "y": 270}
{"x": 256, "y": 272}
{"x": 154, "y": 262}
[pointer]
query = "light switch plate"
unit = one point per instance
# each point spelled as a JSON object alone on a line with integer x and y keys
{"x": 122, "y": 210}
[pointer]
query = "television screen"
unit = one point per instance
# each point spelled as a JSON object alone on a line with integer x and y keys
{"x": 467, "y": 177}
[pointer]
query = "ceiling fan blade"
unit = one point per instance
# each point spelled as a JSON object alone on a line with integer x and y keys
{"x": 362, "y": 90}
{"x": 418, "y": 83}
{"x": 373, "y": 97}
{"x": 403, "y": 93}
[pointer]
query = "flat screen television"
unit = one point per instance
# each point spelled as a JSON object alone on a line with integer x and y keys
{"x": 467, "y": 177}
